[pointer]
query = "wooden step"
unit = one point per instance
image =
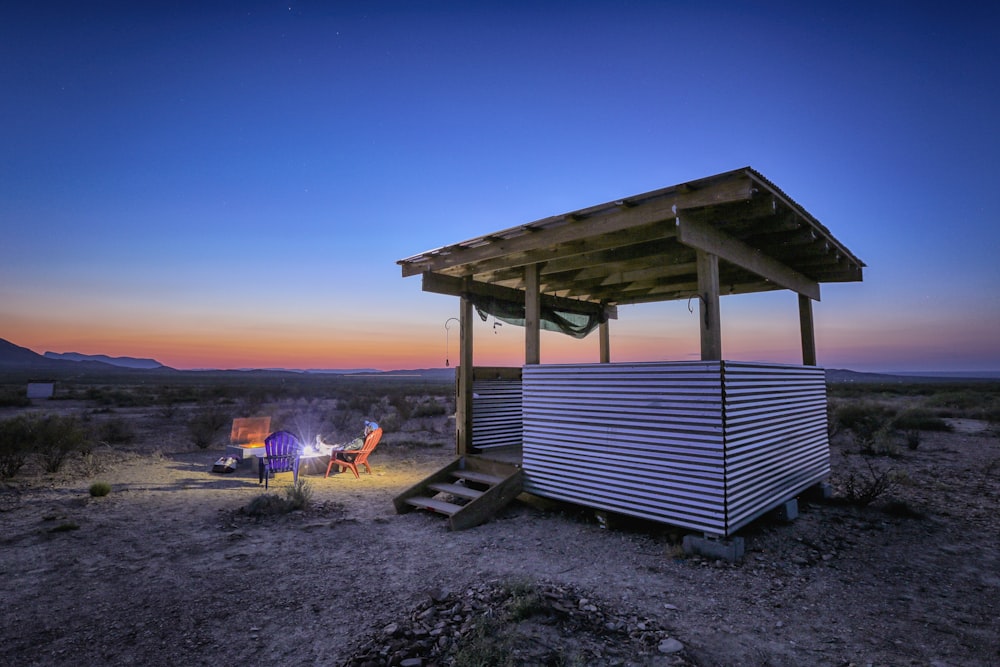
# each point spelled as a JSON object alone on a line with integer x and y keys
{"x": 434, "y": 504}
{"x": 462, "y": 479}
{"x": 456, "y": 490}
{"x": 480, "y": 477}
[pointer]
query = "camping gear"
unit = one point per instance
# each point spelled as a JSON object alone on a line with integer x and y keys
{"x": 225, "y": 464}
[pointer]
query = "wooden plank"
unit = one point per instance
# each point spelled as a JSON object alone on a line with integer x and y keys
{"x": 438, "y": 284}
{"x": 463, "y": 412}
{"x": 532, "y": 316}
{"x": 708, "y": 307}
{"x": 587, "y": 251}
{"x": 473, "y": 476}
{"x": 439, "y": 506}
{"x": 604, "y": 219}
{"x": 441, "y": 475}
{"x": 496, "y": 373}
{"x": 807, "y": 331}
{"x": 604, "y": 343}
{"x": 500, "y": 469}
{"x": 708, "y": 239}
{"x": 487, "y": 505}
{"x": 455, "y": 490}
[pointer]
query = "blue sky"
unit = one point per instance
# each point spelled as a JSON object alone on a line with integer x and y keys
{"x": 230, "y": 184}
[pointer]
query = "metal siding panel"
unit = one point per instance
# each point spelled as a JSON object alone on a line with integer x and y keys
{"x": 496, "y": 413}
{"x": 707, "y": 446}
{"x": 644, "y": 440}
{"x": 776, "y": 436}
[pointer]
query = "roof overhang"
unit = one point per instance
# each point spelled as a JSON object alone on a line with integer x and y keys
{"x": 643, "y": 248}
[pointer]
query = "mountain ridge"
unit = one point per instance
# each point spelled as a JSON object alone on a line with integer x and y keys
{"x": 124, "y": 362}
{"x": 14, "y": 357}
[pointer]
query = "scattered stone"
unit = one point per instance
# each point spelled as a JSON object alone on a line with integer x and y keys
{"x": 670, "y": 645}
{"x": 599, "y": 635}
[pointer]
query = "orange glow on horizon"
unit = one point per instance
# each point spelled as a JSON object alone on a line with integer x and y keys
{"x": 654, "y": 333}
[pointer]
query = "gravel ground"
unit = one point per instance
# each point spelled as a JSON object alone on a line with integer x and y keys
{"x": 170, "y": 569}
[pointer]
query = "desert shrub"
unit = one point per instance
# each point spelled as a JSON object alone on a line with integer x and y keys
{"x": 90, "y": 465}
{"x": 992, "y": 418}
{"x": 863, "y": 416}
{"x": 10, "y": 398}
{"x": 487, "y": 643}
{"x": 402, "y": 405}
{"x": 490, "y": 640}
{"x": 56, "y": 437}
{"x": 100, "y": 489}
{"x": 524, "y": 602}
{"x": 205, "y": 425}
{"x": 429, "y": 409}
{"x": 299, "y": 495}
{"x": 862, "y": 489}
{"x": 920, "y": 419}
{"x": 115, "y": 432}
{"x": 119, "y": 397}
{"x": 16, "y": 441}
{"x": 267, "y": 504}
{"x": 913, "y": 439}
{"x": 390, "y": 422}
{"x": 870, "y": 425}
{"x": 960, "y": 403}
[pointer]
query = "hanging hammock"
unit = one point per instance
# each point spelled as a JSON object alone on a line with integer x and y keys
{"x": 577, "y": 325}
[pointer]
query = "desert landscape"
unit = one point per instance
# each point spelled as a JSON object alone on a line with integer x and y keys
{"x": 179, "y": 565}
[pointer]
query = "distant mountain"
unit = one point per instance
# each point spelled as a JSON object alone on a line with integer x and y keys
{"x": 342, "y": 371}
{"x": 15, "y": 356}
{"x": 123, "y": 362}
{"x": 841, "y": 375}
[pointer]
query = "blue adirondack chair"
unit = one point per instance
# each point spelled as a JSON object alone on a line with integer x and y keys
{"x": 281, "y": 454}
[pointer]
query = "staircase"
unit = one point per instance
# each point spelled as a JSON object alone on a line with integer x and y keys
{"x": 469, "y": 491}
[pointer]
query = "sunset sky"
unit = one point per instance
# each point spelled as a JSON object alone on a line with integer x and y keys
{"x": 229, "y": 185}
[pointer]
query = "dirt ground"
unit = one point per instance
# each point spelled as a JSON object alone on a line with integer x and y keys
{"x": 169, "y": 569}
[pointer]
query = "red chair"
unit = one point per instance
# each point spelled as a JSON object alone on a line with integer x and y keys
{"x": 356, "y": 457}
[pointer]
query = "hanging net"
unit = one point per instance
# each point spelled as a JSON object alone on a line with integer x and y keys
{"x": 577, "y": 325}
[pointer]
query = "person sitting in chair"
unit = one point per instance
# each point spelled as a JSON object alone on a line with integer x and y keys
{"x": 355, "y": 444}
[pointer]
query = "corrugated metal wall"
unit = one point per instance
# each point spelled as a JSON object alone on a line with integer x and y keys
{"x": 644, "y": 440}
{"x": 704, "y": 445}
{"x": 496, "y": 413}
{"x": 776, "y": 435}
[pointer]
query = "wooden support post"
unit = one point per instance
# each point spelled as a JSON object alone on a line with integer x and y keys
{"x": 807, "y": 330}
{"x": 463, "y": 407}
{"x": 604, "y": 333}
{"x": 708, "y": 306}
{"x": 532, "y": 315}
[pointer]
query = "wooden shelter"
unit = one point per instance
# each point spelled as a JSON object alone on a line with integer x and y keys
{"x": 708, "y": 445}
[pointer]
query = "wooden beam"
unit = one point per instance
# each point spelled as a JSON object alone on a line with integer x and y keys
{"x": 581, "y": 225}
{"x": 708, "y": 306}
{"x": 438, "y": 284}
{"x": 463, "y": 403}
{"x": 706, "y": 238}
{"x": 583, "y": 252}
{"x": 532, "y": 316}
{"x": 604, "y": 335}
{"x": 807, "y": 330}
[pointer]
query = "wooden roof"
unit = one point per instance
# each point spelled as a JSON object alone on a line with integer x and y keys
{"x": 643, "y": 248}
